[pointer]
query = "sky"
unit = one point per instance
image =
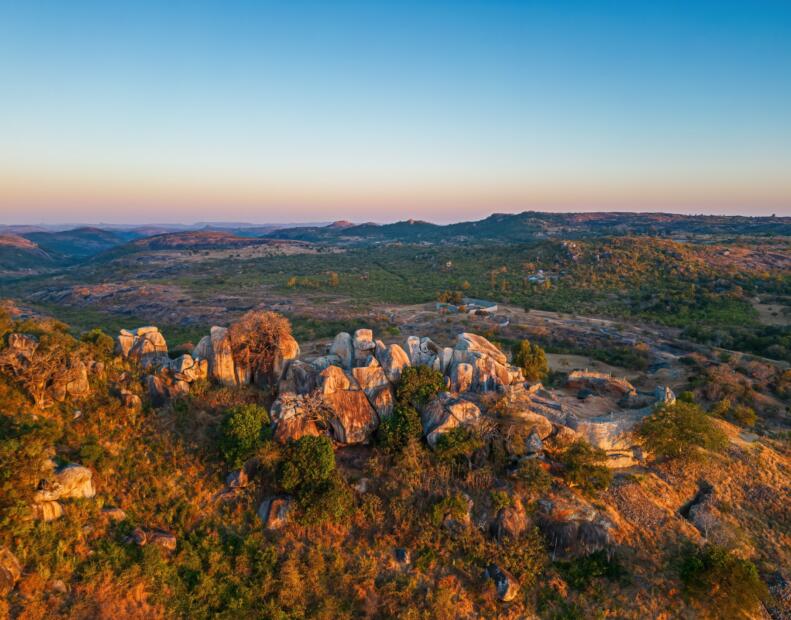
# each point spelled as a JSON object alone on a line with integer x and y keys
{"x": 183, "y": 111}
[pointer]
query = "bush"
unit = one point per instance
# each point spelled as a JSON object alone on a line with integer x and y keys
{"x": 533, "y": 476}
{"x": 403, "y": 425}
{"x": 101, "y": 342}
{"x": 584, "y": 466}
{"x": 532, "y": 359}
{"x": 457, "y": 445}
{"x": 308, "y": 473}
{"x": 453, "y": 506}
{"x": 308, "y": 463}
{"x": 744, "y": 415}
{"x": 244, "y": 429}
{"x": 726, "y": 583}
{"x": 255, "y": 339}
{"x": 580, "y": 572}
{"x": 676, "y": 431}
{"x": 418, "y": 385}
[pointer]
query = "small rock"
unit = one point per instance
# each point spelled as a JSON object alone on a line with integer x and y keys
{"x": 114, "y": 514}
{"x": 506, "y": 586}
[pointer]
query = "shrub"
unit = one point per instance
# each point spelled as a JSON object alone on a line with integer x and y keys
{"x": 418, "y": 385}
{"x": 453, "y": 506}
{"x": 584, "y": 466}
{"x": 457, "y": 445}
{"x": 533, "y": 476}
{"x": 101, "y": 342}
{"x": 500, "y": 499}
{"x": 403, "y": 425}
{"x": 308, "y": 473}
{"x": 580, "y": 572}
{"x": 744, "y": 415}
{"x": 532, "y": 359}
{"x": 728, "y": 584}
{"x": 308, "y": 462}
{"x": 676, "y": 431}
{"x": 244, "y": 429}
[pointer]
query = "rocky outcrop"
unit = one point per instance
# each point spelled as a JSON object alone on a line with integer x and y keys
{"x": 511, "y": 521}
{"x": 299, "y": 378}
{"x": 220, "y": 356}
{"x": 393, "y": 359}
{"x": 72, "y": 382}
{"x": 352, "y": 419}
{"x": 189, "y": 369}
{"x": 69, "y": 482}
{"x": 292, "y": 415}
{"x": 343, "y": 347}
{"x": 373, "y": 381}
{"x": 600, "y": 383}
{"x": 444, "y": 413}
{"x": 144, "y": 344}
{"x": 364, "y": 346}
{"x": 572, "y": 526}
{"x": 461, "y": 377}
{"x": 478, "y": 346}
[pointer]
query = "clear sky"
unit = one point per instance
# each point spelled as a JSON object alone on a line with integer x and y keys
{"x": 442, "y": 110}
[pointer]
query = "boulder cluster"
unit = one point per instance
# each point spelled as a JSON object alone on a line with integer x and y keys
{"x": 68, "y": 482}
{"x": 349, "y": 391}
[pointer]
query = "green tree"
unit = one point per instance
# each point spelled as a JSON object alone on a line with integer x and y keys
{"x": 584, "y": 466}
{"x": 243, "y": 430}
{"x": 402, "y": 426}
{"x": 532, "y": 359}
{"x": 678, "y": 430}
{"x": 101, "y": 342}
{"x": 418, "y": 385}
{"x": 726, "y": 584}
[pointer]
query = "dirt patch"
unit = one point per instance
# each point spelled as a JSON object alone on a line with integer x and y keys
{"x": 773, "y": 314}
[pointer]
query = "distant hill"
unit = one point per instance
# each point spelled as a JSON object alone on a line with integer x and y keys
{"x": 78, "y": 243}
{"x": 20, "y": 254}
{"x": 200, "y": 239}
{"x": 531, "y": 225}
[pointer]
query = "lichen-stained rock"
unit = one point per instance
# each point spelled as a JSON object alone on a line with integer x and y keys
{"x": 461, "y": 377}
{"x": 364, "y": 346}
{"x": 71, "y": 382}
{"x": 511, "y": 521}
{"x": 221, "y": 364}
{"x": 322, "y": 362}
{"x": 186, "y": 368}
{"x": 292, "y": 418}
{"x": 47, "y": 511}
{"x": 145, "y": 344}
{"x": 607, "y": 433}
{"x": 382, "y": 400}
{"x": 531, "y": 421}
{"x": 445, "y": 359}
{"x": 287, "y": 352}
{"x": 70, "y": 481}
{"x": 299, "y": 378}
{"x": 352, "y": 419}
{"x": 393, "y": 359}
{"x": 413, "y": 350}
{"x": 343, "y": 347}
{"x": 572, "y": 526}
{"x": 444, "y": 413}
{"x": 10, "y": 571}
{"x": 332, "y": 379}
{"x": 274, "y": 512}
{"x": 506, "y": 586}
{"x": 478, "y": 344}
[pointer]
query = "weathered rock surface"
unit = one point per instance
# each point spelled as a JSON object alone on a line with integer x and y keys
{"x": 292, "y": 418}
{"x": 461, "y": 377}
{"x": 393, "y": 359}
{"x": 274, "y": 512}
{"x": 352, "y": 419}
{"x": 10, "y": 571}
{"x": 506, "y": 586}
{"x": 343, "y": 347}
{"x": 144, "y": 344}
{"x": 572, "y": 526}
{"x": 221, "y": 364}
{"x": 446, "y": 412}
{"x": 299, "y": 378}
{"x": 71, "y": 481}
{"x": 71, "y": 382}
{"x": 511, "y": 521}
{"x": 479, "y": 345}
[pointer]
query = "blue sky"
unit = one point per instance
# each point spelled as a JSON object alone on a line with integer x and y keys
{"x": 286, "y": 111}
